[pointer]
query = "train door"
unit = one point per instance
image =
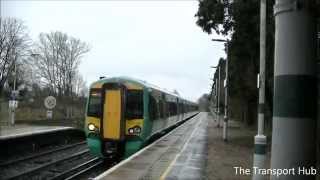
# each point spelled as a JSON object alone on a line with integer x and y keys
{"x": 113, "y": 108}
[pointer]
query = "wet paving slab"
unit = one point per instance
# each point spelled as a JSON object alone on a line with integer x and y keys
{"x": 179, "y": 155}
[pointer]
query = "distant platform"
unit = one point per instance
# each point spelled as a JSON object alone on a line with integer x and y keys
{"x": 181, "y": 154}
{"x": 16, "y": 131}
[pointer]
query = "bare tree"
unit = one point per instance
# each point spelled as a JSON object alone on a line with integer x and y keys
{"x": 80, "y": 87}
{"x": 14, "y": 45}
{"x": 203, "y": 102}
{"x": 58, "y": 58}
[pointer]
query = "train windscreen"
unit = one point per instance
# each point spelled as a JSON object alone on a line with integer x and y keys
{"x": 94, "y": 106}
{"x": 134, "y": 104}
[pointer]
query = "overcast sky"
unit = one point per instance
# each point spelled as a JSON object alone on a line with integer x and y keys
{"x": 156, "y": 41}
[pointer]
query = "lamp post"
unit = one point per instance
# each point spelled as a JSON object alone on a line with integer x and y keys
{"x": 212, "y": 88}
{"x": 225, "y": 119}
{"x": 260, "y": 140}
{"x": 218, "y": 93}
{"x": 213, "y": 93}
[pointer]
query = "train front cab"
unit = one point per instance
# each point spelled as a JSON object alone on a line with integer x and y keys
{"x": 118, "y": 120}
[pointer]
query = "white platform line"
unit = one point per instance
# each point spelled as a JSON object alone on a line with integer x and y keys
{"x": 166, "y": 172}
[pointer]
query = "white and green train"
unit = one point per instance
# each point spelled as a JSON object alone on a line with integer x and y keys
{"x": 123, "y": 114}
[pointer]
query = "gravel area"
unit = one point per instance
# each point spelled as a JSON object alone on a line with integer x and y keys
{"x": 224, "y": 156}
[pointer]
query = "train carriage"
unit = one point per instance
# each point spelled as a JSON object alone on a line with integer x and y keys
{"x": 124, "y": 113}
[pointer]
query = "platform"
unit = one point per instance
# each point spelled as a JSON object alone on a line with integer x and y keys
{"x": 181, "y": 154}
{"x": 16, "y": 131}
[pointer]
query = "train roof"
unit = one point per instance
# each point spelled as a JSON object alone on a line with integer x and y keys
{"x": 141, "y": 82}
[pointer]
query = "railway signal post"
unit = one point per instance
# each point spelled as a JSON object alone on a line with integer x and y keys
{"x": 295, "y": 88}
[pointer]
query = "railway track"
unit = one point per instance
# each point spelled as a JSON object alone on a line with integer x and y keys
{"x": 48, "y": 164}
{"x": 81, "y": 170}
{"x": 72, "y": 161}
{"x": 39, "y": 154}
{"x": 43, "y": 170}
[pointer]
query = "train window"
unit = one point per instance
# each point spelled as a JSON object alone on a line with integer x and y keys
{"x": 166, "y": 109}
{"x": 172, "y": 108}
{"x": 183, "y": 108}
{"x": 134, "y": 104}
{"x": 94, "y": 106}
{"x": 175, "y": 108}
{"x": 161, "y": 108}
{"x": 180, "y": 108}
{"x": 153, "y": 108}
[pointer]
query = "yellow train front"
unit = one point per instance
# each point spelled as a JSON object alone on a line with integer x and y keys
{"x": 123, "y": 114}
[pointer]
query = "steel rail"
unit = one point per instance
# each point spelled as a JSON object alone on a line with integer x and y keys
{"x": 76, "y": 175}
{"x": 32, "y": 156}
{"x": 37, "y": 169}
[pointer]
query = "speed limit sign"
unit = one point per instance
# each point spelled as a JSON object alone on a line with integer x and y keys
{"x": 50, "y": 102}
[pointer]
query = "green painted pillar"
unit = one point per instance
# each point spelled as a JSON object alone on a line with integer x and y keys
{"x": 295, "y": 89}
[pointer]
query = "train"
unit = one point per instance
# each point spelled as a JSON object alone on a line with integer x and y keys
{"x": 123, "y": 114}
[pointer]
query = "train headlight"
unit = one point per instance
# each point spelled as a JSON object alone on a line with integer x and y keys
{"x": 137, "y": 130}
{"x": 134, "y": 130}
{"x": 91, "y": 127}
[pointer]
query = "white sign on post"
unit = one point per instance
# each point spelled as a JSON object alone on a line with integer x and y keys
{"x": 50, "y": 102}
{"x": 49, "y": 114}
{"x": 13, "y": 104}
